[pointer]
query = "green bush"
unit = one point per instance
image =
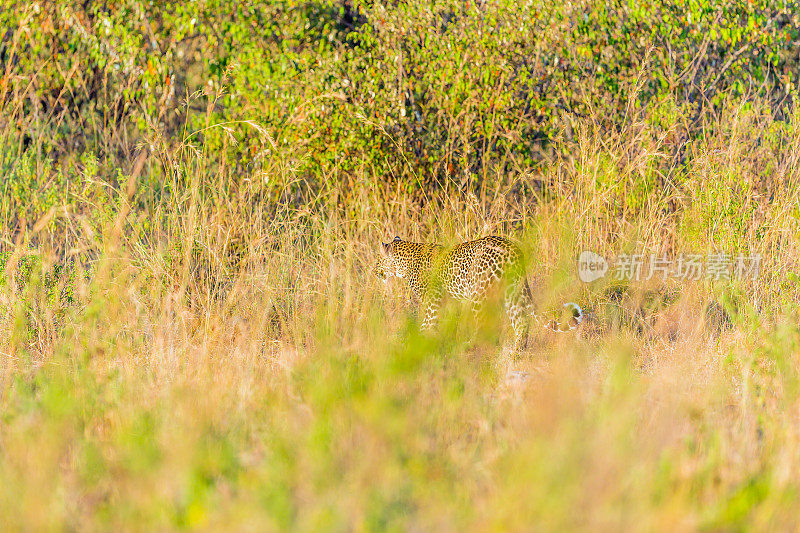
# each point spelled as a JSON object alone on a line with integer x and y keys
{"x": 427, "y": 95}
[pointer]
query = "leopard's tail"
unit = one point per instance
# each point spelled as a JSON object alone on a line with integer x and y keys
{"x": 572, "y": 323}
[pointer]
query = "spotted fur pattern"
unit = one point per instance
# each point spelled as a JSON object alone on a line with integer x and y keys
{"x": 466, "y": 272}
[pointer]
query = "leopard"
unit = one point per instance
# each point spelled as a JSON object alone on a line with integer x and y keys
{"x": 468, "y": 272}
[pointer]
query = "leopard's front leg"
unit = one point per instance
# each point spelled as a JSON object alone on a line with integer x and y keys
{"x": 431, "y": 305}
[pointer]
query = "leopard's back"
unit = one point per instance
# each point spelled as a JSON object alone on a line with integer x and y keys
{"x": 470, "y": 268}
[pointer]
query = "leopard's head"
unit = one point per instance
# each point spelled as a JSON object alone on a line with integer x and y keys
{"x": 388, "y": 264}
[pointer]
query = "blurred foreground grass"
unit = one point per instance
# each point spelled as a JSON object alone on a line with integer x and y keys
{"x": 229, "y": 367}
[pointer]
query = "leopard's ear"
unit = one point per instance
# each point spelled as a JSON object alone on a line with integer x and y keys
{"x": 385, "y": 248}
{"x": 396, "y": 238}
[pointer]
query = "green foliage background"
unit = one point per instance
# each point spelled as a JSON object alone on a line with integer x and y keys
{"x": 424, "y": 95}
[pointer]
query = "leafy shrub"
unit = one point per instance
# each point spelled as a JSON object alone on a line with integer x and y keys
{"x": 430, "y": 95}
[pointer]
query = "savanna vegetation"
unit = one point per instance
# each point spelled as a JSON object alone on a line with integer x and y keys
{"x": 193, "y": 194}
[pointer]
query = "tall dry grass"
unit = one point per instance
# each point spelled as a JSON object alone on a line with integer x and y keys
{"x": 210, "y": 357}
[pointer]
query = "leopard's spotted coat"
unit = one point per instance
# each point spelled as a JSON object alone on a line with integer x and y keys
{"x": 466, "y": 272}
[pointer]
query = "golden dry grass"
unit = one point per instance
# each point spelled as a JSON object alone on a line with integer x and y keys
{"x": 228, "y": 362}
